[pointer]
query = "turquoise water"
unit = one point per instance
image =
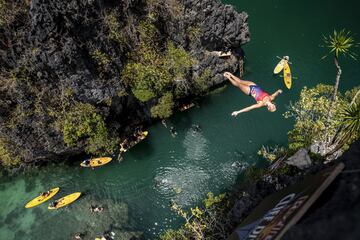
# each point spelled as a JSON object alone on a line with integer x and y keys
{"x": 136, "y": 192}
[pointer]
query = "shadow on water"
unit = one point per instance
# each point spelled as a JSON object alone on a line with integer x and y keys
{"x": 19, "y": 234}
{"x": 146, "y": 150}
{"x": 12, "y": 217}
{"x": 30, "y": 185}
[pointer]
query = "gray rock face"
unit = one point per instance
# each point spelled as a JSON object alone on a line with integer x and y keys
{"x": 300, "y": 159}
{"x": 48, "y": 48}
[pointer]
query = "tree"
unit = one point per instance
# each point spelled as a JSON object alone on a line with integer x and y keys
{"x": 164, "y": 107}
{"x": 201, "y": 223}
{"x": 82, "y": 123}
{"x": 311, "y": 112}
{"x": 339, "y": 43}
{"x": 349, "y": 126}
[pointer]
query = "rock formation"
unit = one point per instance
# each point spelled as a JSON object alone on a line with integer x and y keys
{"x": 56, "y": 54}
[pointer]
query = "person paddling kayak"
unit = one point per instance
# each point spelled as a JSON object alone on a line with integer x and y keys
{"x": 261, "y": 97}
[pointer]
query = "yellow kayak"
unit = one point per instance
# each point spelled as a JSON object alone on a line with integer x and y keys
{"x": 96, "y": 162}
{"x": 280, "y": 66}
{"x": 65, "y": 200}
{"x": 41, "y": 199}
{"x": 287, "y": 75}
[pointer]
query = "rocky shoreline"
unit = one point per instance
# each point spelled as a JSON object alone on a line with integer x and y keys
{"x": 52, "y": 55}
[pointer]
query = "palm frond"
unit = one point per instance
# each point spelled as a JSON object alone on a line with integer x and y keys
{"x": 340, "y": 43}
{"x": 350, "y": 117}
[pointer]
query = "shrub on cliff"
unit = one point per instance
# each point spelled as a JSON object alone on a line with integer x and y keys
{"x": 150, "y": 71}
{"x": 114, "y": 28}
{"x": 200, "y": 82}
{"x": 83, "y": 123}
{"x": 153, "y": 72}
{"x": 164, "y": 107}
{"x": 7, "y": 157}
{"x": 177, "y": 61}
{"x": 101, "y": 59}
{"x": 311, "y": 115}
{"x": 271, "y": 153}
{"x": 201, "y": 223}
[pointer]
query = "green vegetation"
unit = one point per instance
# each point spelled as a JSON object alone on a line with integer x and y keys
{"x": 102, "y": 60}
{"x": 194, "y": 32}
{"x": 310, "y": 113}
{"x": 200, "y": 82}
{"x": 272, "y": 153}
{"x": 7, "y": 157}
{"x": 164, "y": 107}
{"x": 339, "y": 43}
{"x": 83, "y": 123}
{"x": 200, "y": 222}
{"x": 122, "y": 93}
{"x": 253, "y": 173}
{"x": 17, "y": 117}
{"x": 348, "y": 126}
{"x": 113, "y": 25}
{"x": 311, "y": 119}
{"x": 177, "y": 61}
{"x": 174, "y": 7}
{"x": 151, "y": 72}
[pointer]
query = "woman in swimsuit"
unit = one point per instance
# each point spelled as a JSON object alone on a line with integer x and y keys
{"x": 249, "y": 88}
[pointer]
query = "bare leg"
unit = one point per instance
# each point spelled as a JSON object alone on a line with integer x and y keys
{"x": 243, "y": 82}
{"x": 243, "y": 85}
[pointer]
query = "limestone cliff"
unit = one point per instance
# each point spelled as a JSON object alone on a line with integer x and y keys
{"x": 57, "y": 56}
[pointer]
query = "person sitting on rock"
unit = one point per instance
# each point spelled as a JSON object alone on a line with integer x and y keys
{"x": 262, "y": 98}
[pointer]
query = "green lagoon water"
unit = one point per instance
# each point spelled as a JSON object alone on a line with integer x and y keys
{"x": 136, "y": 192}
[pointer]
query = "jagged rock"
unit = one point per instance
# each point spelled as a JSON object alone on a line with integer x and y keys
{"x": 323, "y": 149}
{"x": 51, "y": 41}
{"x": 335, "y": 215}
{"x": 300, "y": 159}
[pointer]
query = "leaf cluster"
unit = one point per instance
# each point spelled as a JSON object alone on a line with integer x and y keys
{"x": 83, "y": 123}
{"x": 340, "y": 43}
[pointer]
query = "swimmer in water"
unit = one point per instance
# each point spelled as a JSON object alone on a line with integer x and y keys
{"x": 261, "y": 97}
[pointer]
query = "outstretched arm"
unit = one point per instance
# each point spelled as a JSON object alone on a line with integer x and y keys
{"x": 275, "y": 94}
{"x": 258, "y": 105}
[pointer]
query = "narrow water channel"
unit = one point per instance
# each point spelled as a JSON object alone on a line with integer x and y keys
{"x": 136, "y": 192}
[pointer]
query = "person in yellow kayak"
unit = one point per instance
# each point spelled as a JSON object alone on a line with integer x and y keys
{"x": 45, "y": 194}
{"x": 262, "y": 98}
{"x": 87, "y": 162}
{"x": 54, "y": 203}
